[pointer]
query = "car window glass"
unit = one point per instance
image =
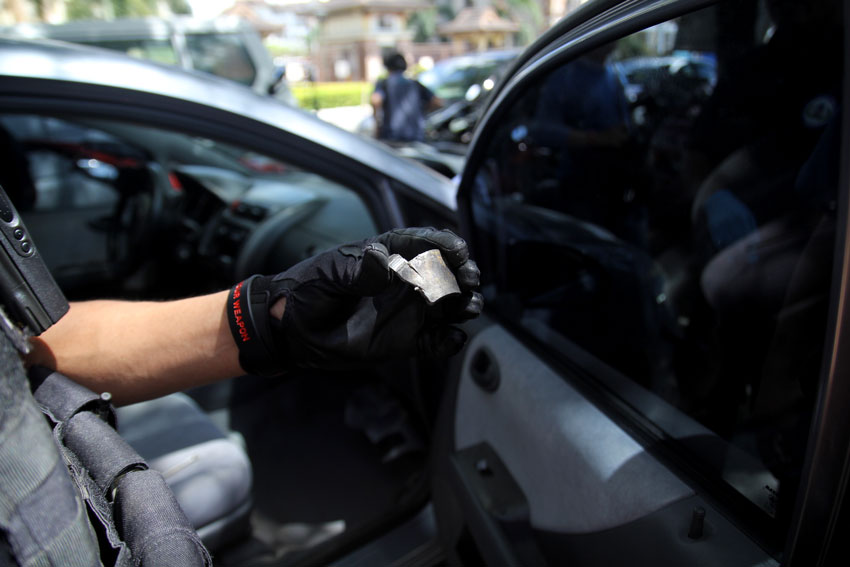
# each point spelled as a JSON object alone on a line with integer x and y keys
{"x": 221, "y": 54}
{"x": 70, "y": 166}
{"x": 159, "y": 50}
{"x": 666, "y": 203}
{"x": 112, "y": 205}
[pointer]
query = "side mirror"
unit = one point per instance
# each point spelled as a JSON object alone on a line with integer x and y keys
{"x": 279, "y": 76}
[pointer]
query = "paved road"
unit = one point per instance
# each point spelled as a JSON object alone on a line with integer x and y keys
{"x": 346, "y": 117}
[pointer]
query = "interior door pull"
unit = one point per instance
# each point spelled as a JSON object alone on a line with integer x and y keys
{"x": 485, "y": 370}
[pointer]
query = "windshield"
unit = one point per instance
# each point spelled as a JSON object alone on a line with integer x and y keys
{"x": 159, "y": 50}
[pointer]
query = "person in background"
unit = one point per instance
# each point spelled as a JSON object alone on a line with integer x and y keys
{"x": 400, "y": 103}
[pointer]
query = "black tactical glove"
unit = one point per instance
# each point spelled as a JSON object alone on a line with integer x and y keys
{"x": 345, "y": 308}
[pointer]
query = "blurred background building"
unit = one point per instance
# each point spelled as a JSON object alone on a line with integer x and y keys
{"x": 334, "y": 40}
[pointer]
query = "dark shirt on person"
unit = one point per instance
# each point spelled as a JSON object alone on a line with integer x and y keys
{"x": 403, "y": 107}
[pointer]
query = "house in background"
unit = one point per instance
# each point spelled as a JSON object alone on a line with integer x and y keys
{"x": 349, "y": 37}
{"x": 554, "y": 10}
{"x": 479, "y": 28}
{"x": 353, "y": 35}
{"x": 22, "y": 11}
{"x": 286, "y": 33}
{"x": 342, "y": 39}
{"x": 267, "y": 19}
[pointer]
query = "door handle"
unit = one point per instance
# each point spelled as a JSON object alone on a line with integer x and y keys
{"x": 485, "y": 370}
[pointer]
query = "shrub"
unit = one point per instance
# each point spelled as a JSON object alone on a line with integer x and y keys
{"x": 314, "y": 96}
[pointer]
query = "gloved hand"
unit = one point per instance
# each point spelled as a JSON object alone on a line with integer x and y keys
{"x": 345, "y": 308}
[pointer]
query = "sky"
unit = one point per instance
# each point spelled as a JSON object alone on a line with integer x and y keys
{"x": 209, "y": 8}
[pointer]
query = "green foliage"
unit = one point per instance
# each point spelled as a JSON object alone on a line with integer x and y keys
{"x": 277, "y": 50}
{"x": 446, "y": 11}
{"x": 330, "y": 95}
{"x": 180, "y": 6}
{"x": 527, "y": 13}
{"x": 424, "y": 24}
{"x": 133, "y": 8}
{"x": 89, "y": 9}
{"x": 80, "y": 10}
{"x": 631, "y": 46}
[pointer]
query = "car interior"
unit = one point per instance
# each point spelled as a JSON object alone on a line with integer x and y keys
{"x": 657, "y": 253}
{"x": 120, "y": 210}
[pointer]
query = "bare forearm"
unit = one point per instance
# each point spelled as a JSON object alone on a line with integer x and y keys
{"x": 141, "y": 350}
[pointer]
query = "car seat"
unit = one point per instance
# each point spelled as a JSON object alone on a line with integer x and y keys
{"x": 209, "y": 472}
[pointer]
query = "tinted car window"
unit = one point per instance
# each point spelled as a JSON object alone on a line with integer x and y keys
{"x": 666, "y": 203}
{"x": 221, "y": 54}
{"x": 68, "y": 167}
{"x": 159, "y": 50}
{"x": 113, "y": 204}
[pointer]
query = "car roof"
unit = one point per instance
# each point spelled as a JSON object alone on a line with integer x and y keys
{"x": 124, "y": 28}
{"x": 58, "y": 61}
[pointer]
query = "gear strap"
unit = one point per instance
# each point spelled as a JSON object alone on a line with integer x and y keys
{"x": 132, "y": 509}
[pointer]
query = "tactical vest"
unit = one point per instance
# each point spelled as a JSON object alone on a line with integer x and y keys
{"x": 72, "y": 492}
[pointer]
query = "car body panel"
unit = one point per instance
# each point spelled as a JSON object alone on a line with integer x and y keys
{"x": 605, "y": 488}
{"x": 541, "y": 455}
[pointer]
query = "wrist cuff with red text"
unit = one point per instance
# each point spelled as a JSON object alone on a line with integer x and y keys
{"x": 248, "y": 305}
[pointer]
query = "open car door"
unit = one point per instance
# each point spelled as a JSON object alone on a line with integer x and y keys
{"x": 658, "y": 205}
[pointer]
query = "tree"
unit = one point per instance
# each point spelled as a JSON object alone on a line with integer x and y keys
{"x": 83, "y": 10}
{"x": 424, "y": 24}
{"x": 134, "y": 8}
{"x": 180, "y": 6}
{"x": 527, "y": 13}
{"x": 108, "y": 9}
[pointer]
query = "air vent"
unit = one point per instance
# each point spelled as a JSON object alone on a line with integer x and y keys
{"x": 246, "y": 210}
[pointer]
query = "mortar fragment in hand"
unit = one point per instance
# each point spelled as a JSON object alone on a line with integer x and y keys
{"x": 427, "y": 273}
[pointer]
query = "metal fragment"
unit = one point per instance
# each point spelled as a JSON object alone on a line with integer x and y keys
{"x": 427, "y": 273}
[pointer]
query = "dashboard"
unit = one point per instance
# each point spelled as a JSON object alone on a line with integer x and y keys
{"x": 241, "y": 225}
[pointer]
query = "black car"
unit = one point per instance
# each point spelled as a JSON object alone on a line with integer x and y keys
{"x": 463, "y": 83}
{"x": 657, "y": 378}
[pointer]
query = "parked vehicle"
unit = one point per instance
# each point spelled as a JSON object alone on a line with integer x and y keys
{"x": 659, "y": 375}
{"x": 450, "y": 79}
{"x": 463, "y": 84}
{"x": 227, "y": 47}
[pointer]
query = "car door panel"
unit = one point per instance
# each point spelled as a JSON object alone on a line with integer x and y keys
{"x": 657, "y": 265}
{"x": 591, "y": 466}
{"x": 670, "y": 536}
{"x": 543, "y": 476}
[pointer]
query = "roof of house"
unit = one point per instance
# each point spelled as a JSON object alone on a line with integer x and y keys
{"x": 331, "y": 6}
{"x": 478, "y": 19}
